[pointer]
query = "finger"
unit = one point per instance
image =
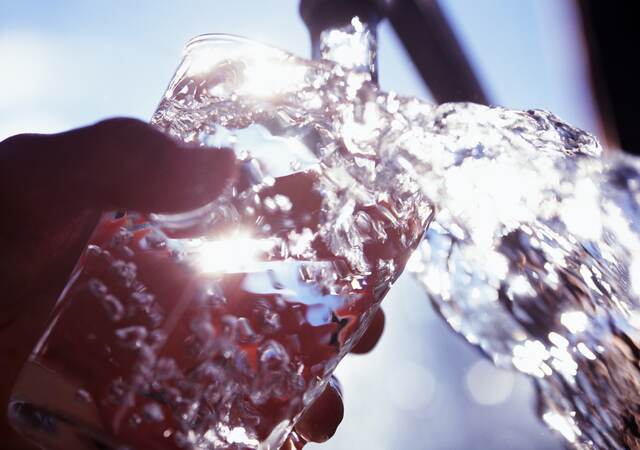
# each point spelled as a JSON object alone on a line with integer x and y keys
{"x": 117, "y": 163}
{"x": 372, "y": 335}
{"x": 321, "y": 420}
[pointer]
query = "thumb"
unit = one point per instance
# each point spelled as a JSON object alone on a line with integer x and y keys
{"x": 117, "y": 163}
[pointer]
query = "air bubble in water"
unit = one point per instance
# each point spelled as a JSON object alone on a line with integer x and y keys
{"x": 153, "y": 412}
{"x": 132, "y": 336}
{"x": 245, "y": 331}
{"x": 97, "y": 288}
{"x": 113, "y": 307}
{"x": 273, "y": 356}
{"x": 166, "y": 369}
{"x": 83, "y": 396}
{"x": 126, "y": 271}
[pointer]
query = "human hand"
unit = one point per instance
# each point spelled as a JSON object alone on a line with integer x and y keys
{"x": 321, "y": 420}
{"x": 53, "y": 189}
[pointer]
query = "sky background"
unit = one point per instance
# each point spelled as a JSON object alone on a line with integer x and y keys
{"x": 69, "y": 63}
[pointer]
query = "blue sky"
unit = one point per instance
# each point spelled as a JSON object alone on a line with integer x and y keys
{"x": 71, "y": 62}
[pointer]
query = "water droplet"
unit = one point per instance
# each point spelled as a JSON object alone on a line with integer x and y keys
{"x": 269, "y": 204}
{"x": 213, "y": 297}
{"x": 83, "y": 396}
{"x": 153, "y": 412}
{"x": 114, "y": 308}
{"x": 244, "y": 331}
{"x": 97, "y": 288}
{"x": 126, "y": 271}
{"x": 135, "y": 420}
{"x": 273, "y": 356}
{"x": 93, "y": 250}
{"x": 166, "y": 369}
{"x": 157, "y": 338}
{"x": 117, "y": 390}
{"x": 154, "y": 240}
{"x": 133, "y": 336}
{"x": 270, "y": 321}
{"x": 142, "y": 298}
{"x": 121, "y": 238}
{"x": 202, "y": 328}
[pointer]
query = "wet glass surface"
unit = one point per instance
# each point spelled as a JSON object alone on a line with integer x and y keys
{"x": 216, "y": 327}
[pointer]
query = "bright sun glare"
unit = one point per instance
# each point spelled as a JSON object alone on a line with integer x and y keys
{"x": 261, "y": 71}
{"x": 235, "y": 253}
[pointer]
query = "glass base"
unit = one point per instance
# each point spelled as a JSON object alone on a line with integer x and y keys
{"x": 56, "y": 431}
{"x": 43, "y": 410}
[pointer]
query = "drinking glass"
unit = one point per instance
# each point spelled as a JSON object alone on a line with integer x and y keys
{"x": 217, "y": 327}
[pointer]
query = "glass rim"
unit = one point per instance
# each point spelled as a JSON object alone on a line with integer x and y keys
{"x": 221, "y": 38}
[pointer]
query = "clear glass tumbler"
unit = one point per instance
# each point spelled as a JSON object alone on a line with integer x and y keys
{"x": 215, "y": 328}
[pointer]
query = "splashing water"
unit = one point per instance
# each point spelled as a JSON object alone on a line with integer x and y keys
{"x": 217, "y": 327}
{"x": 220, "y": 325}
{"x": 533, "y": 256}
